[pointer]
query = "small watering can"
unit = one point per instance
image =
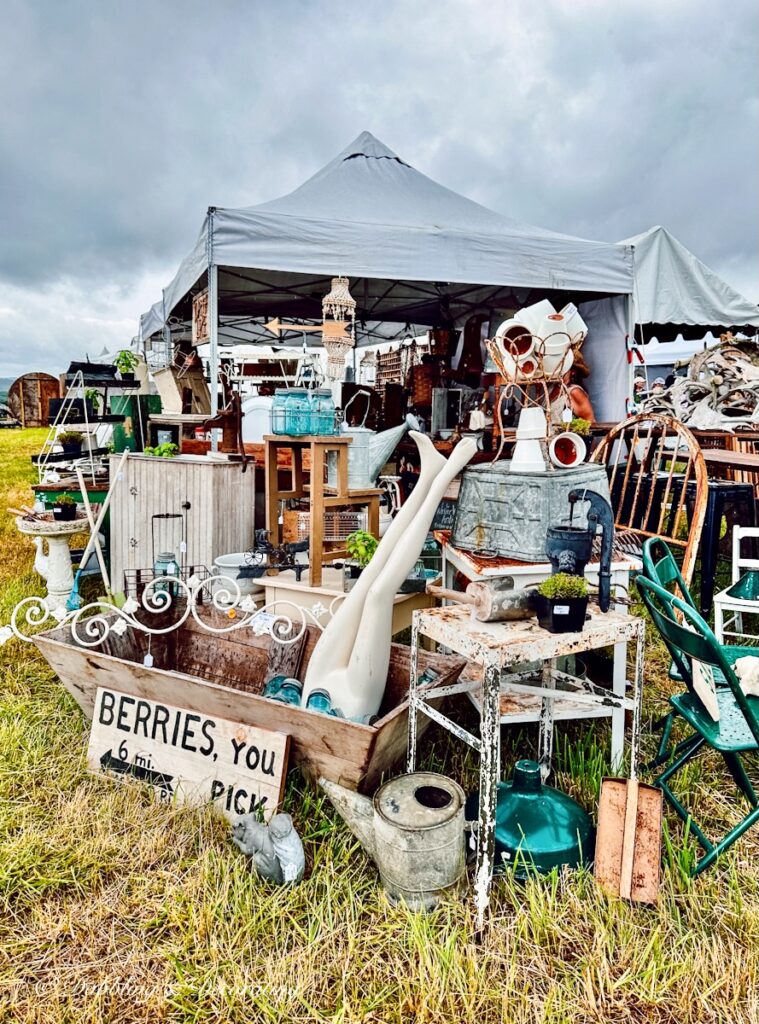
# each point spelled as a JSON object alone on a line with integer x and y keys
{"x": 413, "y": 829}
{"x": 368, "y": 451}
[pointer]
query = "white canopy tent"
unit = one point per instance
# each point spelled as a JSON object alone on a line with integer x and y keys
{"x": 416, "y": 253}
{"x": 675, "y": 293}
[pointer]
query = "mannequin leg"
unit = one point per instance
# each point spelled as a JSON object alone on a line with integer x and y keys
{"x": 337, "y": 641}
{"x": 357, "y": 687}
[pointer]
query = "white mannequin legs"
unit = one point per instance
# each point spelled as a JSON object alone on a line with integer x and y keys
{"x": 351, "y": 658}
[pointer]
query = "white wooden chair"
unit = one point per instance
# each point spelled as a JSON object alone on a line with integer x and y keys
{"x": 743, "y": 593}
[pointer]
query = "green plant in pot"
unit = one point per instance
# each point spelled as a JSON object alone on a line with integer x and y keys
{"x": 167, "y": 450}
{"x": 561, "y": 603}
{"x": 361, "y": 547}
{"x": 64, "y": 509}
{"x": 579, "y": 426}
{"x": 71, "y": 441}
{"x": 126, "y": 363}
{"x": 95, "y": 399}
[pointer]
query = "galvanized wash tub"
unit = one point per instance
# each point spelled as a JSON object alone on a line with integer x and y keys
{"x": 508, "y": 514}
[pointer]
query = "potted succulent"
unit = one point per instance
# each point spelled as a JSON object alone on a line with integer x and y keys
{"x": 64, "y": 509}
{"x": 71, "y": 441}
{"x": 361, "y": 547}
{"x": 126, "y": 363}
{"x": 561, "y": 603}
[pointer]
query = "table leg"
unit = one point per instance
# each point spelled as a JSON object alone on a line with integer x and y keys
{"x": 640, "y": 643}
{"x": 545, "y": 728}
{"x": 618, "y": 685}
{"x": 272, "y": 492}
{"x": 490, "y": 772}
{"x": 316, "y": 534}
{"x": 412, "y": 690}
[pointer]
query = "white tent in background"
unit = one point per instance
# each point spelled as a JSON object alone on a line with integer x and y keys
{"x": 416, "y": 253}
{"x": 675, "y": 293}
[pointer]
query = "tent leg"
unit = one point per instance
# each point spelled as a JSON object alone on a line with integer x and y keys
{"x": 213, "y": 333}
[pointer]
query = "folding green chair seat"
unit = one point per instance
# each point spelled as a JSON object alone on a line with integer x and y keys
{"x": 735, "y": 733}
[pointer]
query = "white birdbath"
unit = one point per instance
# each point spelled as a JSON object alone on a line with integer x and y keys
{"x": 57, "y": 571}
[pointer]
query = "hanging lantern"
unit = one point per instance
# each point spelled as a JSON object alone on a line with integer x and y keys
{"x": 338, "y": 312}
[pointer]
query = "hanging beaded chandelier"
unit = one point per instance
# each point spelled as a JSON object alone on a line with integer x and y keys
{"x": 338, "y": 306}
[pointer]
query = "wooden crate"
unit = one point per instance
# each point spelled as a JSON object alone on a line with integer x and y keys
{"x": 223, "y": 676}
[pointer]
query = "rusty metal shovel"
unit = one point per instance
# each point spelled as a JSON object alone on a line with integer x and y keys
{"x": 628, "y": 840}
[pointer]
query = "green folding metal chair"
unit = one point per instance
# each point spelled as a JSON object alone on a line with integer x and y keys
{"x": 734, "y": 734}
{"x": 660, "y": 567}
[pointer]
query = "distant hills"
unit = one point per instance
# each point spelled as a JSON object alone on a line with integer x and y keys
{"x": 5, "y": 383}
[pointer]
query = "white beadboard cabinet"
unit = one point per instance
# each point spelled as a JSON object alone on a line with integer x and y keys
{"x": 219, "y": 519}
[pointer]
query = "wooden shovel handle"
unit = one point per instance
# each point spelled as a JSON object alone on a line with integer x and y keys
{"x": 452, "y": 595}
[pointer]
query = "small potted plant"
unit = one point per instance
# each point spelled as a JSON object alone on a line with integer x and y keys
{"x": 361, "y": 547}
{"x": 71, "y": 441}
{"x": 64, "y": 509}
{"x": 94, "y": 400}
{"x": 126, "y": 363}
{"x": 579, "y": 426}
{"x": 167, "y": 450}
{"x": 561, "y": 603}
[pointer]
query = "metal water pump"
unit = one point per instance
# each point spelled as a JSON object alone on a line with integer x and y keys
{"x": 569, "y": 548}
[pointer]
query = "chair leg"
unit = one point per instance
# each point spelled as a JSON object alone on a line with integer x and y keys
{"x": 719, "y": 848}
{"x": 719, "y": 622}
{"x": 689, "y": 747}
{"x": 736, "y": 768}
{"x": 709, "y": 545}
{"x": 662, "y": 754}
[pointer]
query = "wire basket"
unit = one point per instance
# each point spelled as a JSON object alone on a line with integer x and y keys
{"x": 135, "y": 580}
{"x": 337, "y": 525}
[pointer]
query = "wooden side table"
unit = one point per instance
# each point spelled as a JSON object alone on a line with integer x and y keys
{"x": 320, "y": 496}
{"x": 498, "y": 646}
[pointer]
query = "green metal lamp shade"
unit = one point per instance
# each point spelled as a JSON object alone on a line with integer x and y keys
{"x": 538, "y": 827}
{"x": 747, "y": 587}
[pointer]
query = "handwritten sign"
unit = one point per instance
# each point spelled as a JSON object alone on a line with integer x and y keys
{"x": 444, "y": 515}
{"x": 187, "y": 756}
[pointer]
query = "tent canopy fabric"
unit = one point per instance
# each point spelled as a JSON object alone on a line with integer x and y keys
{"x": 674, "y": 288}
{"x": 414, "y": 245}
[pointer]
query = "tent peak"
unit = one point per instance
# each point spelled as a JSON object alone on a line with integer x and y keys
{"x": 368, "y": 145}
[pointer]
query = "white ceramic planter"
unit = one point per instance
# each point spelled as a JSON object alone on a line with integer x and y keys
{"x": 567, "y": 450}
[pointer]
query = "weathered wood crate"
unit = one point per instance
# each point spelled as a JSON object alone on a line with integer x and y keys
{"x": 224, "y": 676}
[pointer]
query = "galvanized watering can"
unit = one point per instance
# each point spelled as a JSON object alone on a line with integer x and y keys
{"x": 368, "y": 451}
{"x": 413, "y": 830}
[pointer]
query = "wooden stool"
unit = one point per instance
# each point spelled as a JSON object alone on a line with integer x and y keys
{"x": 320, "y": 496}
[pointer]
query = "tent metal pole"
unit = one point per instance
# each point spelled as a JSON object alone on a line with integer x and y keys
{"x": 213, "y": 324}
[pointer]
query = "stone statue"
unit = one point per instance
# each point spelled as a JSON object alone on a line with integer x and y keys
{"x": 275, "y": 851}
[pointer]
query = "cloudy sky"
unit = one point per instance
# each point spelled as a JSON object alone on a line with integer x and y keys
{"x": 122, "y": 122}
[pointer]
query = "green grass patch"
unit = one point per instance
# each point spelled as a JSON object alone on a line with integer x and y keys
{"x": 114, "y": 908}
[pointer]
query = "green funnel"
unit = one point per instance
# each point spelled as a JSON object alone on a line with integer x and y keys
{"x": 538, "y": 827}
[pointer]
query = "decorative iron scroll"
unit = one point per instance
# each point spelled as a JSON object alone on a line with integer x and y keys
{"x": 93, "y": 623}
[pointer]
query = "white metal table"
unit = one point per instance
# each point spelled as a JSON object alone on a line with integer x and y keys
{"x": 519, "y": 708}
{"x": 498, "y": 646}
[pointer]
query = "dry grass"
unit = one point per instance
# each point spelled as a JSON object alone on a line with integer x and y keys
{"x": 115, "y": 908}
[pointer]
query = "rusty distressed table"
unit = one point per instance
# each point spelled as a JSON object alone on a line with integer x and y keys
{"x": 497, "y": 647}
{"x": 520, "y": 708}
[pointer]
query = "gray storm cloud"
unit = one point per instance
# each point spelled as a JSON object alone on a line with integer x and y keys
{"x": 122, "y": 122}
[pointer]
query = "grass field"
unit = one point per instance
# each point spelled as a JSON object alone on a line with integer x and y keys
{"x": 116, "y": 908}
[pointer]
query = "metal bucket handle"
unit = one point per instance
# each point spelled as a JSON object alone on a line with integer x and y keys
{"x": 361, "y": 391}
